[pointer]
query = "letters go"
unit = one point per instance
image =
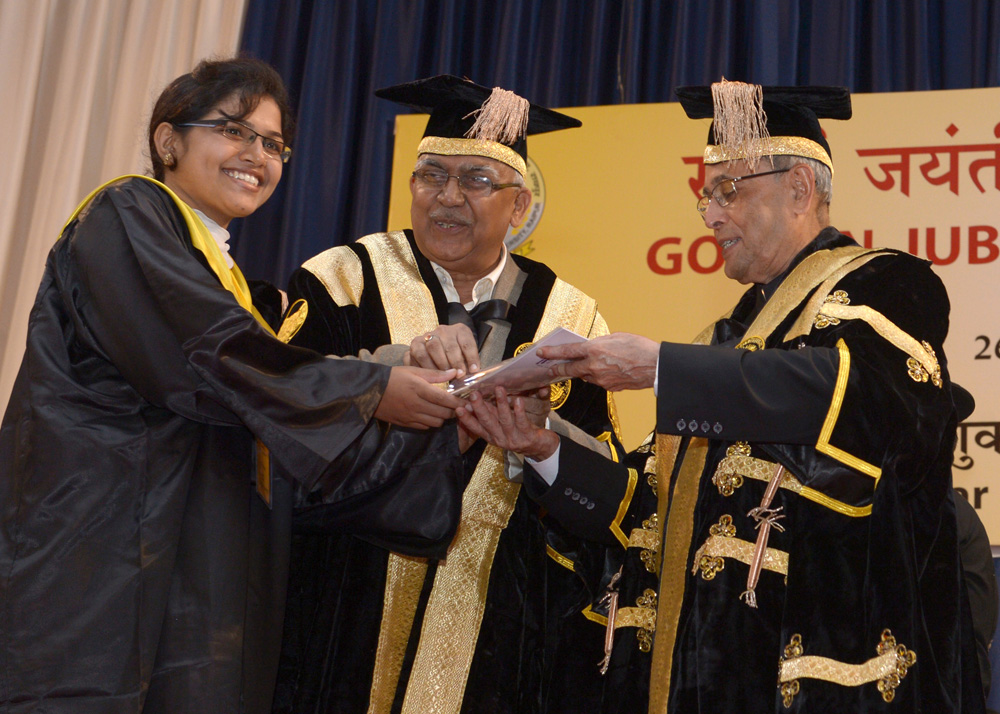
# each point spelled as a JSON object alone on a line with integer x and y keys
{"x": 664, "y": 262}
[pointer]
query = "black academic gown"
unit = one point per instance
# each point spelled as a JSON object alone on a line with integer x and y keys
{"x": 536, "y": 651}
{"x": 139, "y": 569}
{"x": 869, "y": 546}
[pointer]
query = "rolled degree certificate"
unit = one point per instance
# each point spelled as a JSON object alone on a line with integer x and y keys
{"x": 522, "y": 373}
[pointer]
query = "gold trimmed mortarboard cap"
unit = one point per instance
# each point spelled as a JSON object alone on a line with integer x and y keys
{"x": 750, "y": 121}
{"x": 468, "y": 119}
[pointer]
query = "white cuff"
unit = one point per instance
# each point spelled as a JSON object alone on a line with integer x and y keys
{"x": 548, "y": 468}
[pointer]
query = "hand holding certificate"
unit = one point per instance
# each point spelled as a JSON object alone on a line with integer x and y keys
{"x": 616, "y": 361}
{"x": 526, "y": 372}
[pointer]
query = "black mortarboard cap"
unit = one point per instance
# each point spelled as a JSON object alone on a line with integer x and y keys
{"x": 792, "y": 114}
{"x": 455, "y": 105}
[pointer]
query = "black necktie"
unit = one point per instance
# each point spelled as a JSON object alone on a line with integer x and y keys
{"x": 476, "y": 319}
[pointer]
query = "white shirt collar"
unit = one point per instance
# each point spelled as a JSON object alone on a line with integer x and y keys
{"x": 482, "y": 290}
{"x": 220, "y": 234}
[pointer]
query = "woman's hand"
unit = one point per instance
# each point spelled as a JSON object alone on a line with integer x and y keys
{"x": 413, "y": 398}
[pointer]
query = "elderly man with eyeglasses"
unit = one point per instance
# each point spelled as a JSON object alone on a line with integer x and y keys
{"x": 805, "y": 538}
{"x": 499, "y": 625}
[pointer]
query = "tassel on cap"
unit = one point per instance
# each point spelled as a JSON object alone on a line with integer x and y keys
{"x": 503, "y": 118}
{"x": 740, "y": 122}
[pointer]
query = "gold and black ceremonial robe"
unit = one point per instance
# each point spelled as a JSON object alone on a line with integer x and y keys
{"x": 498, "y": 626}
{"x": 807, "y": 549}
{"x": 140, "y": 571}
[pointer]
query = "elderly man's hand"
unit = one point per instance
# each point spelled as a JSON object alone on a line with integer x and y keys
{"x": 507, "y": 425}
{"x": 537, "y": 405}
{"x": 411, "y": 398}
{"x": 617, "y": 361}
{"x": 445, "y": 347}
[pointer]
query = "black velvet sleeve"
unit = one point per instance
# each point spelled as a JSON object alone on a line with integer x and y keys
{"x": 329, "y": 329}
{"x": 267, "y": 300}
{"x": 587, "y": 494}
{"x": 719, "y": 392}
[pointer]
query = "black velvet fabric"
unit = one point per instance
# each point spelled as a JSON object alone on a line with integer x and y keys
{"x": 140, "y": 570}
{"x": 535, "y": 652}
{"x": 850, "y": 577}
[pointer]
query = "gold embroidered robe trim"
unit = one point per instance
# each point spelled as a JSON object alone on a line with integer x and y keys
{"x": 762, "y": 470}
{"x": 830, "y": 670}
{"x": 601, "y": 620}
{"x": 642, "y": 538}
{"x": 393, "y": 261}
{"x": 339, "y": 269}
{"x": 808, "y": 274}
{"x": 887, "y": 669}
{"x": 606, "y": 438}
{"x": 560, "y": 558}
{"x": 885, "y": 329}
{"x": 673, "y": 563}
{"x": 410, "y": 312}
{"x": 673, "y": 566}
{"x": 807, "y": 319}
{"x": 644, "y": 617}
{"x": 742, "y": 550}
{"x": 404, "y": 579}
{"x": 455, "y": 608}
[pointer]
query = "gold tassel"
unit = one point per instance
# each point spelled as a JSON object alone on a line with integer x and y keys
{"x": 740, "y": 123}
{"x": 503, "y": 118}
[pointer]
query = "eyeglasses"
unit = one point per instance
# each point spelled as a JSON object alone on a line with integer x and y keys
{"x": 724, "y": 192}
{"x": 472, "y": 185}
{"x": 239, "y": 132}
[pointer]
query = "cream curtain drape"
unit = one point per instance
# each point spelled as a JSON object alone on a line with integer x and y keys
{"x": 77, "y": 82}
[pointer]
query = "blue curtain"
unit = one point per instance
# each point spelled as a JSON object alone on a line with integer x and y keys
{"x": 334, "y": 53}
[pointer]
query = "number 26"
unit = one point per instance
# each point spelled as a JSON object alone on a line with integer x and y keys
{"x": 985, "y": 352}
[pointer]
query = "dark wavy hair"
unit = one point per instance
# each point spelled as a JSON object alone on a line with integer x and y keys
{"x": 191, "y": 96}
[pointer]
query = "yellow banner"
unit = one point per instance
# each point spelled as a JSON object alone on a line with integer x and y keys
{"x": 614, "y": 214}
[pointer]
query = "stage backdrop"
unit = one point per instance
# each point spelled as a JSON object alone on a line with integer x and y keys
{"x": 614, "y": 214}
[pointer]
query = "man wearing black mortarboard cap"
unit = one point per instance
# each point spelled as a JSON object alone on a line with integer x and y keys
{"x": 809, "y": 555}
{"x": 498, "y": 626}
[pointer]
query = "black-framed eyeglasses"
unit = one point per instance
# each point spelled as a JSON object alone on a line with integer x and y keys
{"x": 724, "y": 192}
{"x": 240, "y": 132}
{"x": 474, "y": 185}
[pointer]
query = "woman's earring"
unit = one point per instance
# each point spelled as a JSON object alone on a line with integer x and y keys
{"x": 168, "y": 159}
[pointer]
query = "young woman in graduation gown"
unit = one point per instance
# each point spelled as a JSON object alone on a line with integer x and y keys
{"x": 144, "y": 533}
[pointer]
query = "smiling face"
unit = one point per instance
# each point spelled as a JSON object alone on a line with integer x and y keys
{"x": 464, "y": 235}
{"x": 757, "y": 231}
{"x": 221, "y": 177}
